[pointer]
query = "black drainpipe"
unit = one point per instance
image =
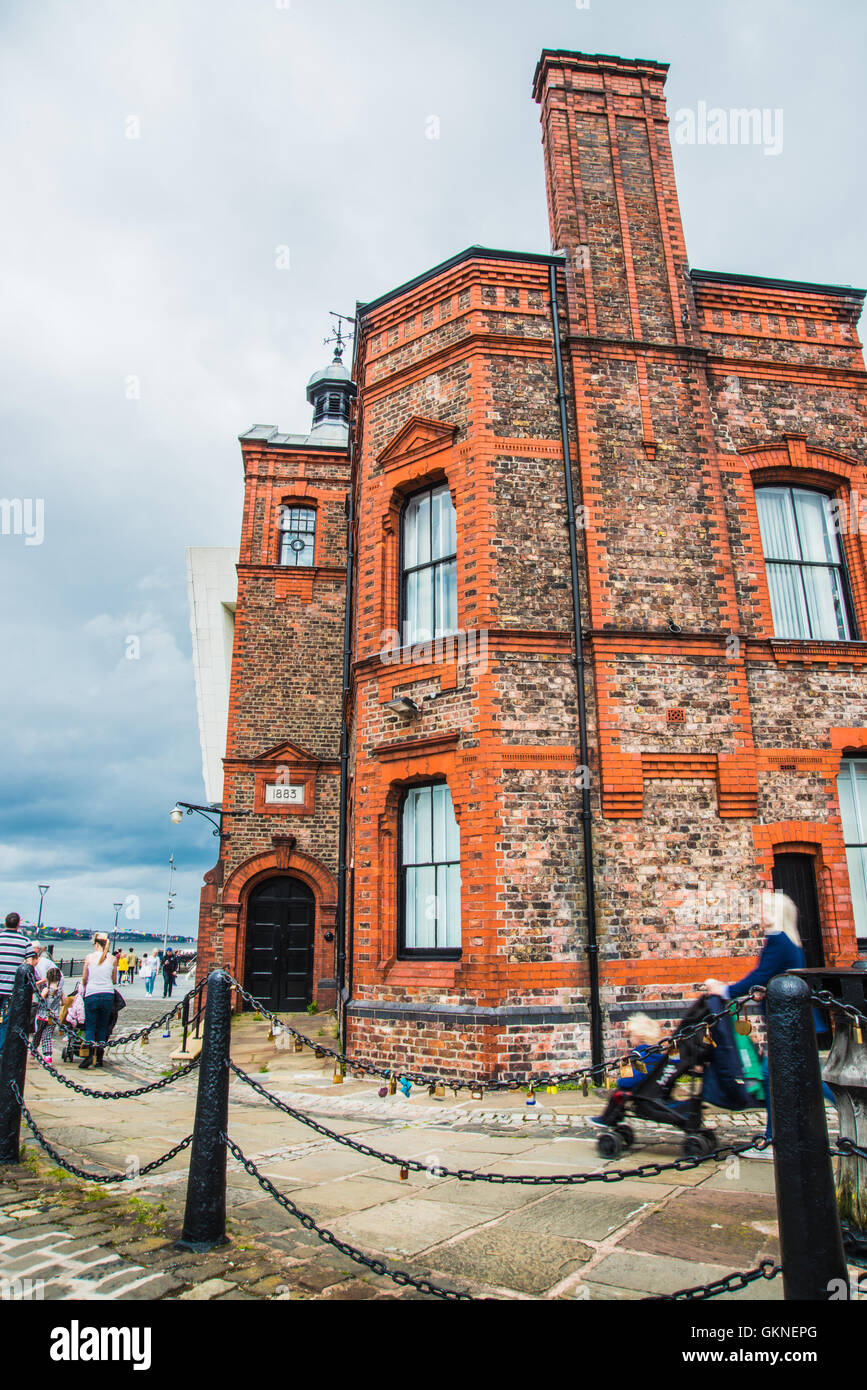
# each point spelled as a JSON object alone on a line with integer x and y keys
{"x": 586, "y": 822}
{"x": 344, "y": 758}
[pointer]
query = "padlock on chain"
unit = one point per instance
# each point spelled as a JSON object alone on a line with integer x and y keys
{"x": 585, "y": 1086}
{"x": 625, "y": 1070}
{"x": 144, "y": 1040}
{"x": 439, "y": 1090}
{"x": 857, "y": 1032}
{"x": 744, "y": 1027}
{"x": 392, "y": 1086}
{"x": 337, "y": 1077}
{"x": 404, "y": 1174}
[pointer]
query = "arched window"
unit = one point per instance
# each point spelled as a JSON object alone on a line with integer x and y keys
{"x": 804, "y": 562}
{"x": 852, "y": 792}
{"x": 430, "y": 873}
{"x": 429, "y": 566}
{"x": 297, "y": 535}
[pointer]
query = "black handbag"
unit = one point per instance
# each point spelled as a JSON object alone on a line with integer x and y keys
{"x": 119, "y": 1001}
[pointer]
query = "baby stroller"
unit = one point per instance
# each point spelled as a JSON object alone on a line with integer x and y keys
{"x": 72, "y": 1015}
{"x": 708, "y": 1057}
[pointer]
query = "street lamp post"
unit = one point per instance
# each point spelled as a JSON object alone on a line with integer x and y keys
{"x": 117, "y": 907}
{"x": 169, "y": 904}
{"x": 43, "y": 889}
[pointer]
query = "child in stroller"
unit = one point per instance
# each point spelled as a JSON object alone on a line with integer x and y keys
{"x": 706, "y": 1054}
{"x": 72, "y": 1014}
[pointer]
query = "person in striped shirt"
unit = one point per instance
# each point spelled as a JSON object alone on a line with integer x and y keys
{"x": 14, "y": 946}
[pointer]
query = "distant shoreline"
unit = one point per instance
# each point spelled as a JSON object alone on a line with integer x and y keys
{"x": 127, "y": 938}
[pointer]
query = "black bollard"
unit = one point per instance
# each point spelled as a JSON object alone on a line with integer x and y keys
{"x": 13, "y": 1065}
{"x": 811, "y": 1242}
{"x": 205, "y": 1213}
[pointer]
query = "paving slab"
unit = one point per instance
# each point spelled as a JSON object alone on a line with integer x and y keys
{"x": 743, "y": 1175}
{"x": 650, "y": 1274}
{"x": 490, "y": 1198}
{"x": 405, "y": 1226}
{"x": 732, "y": 1228}
{"x": 211, "y": 1288}
{"x": 320, "y": 1167}
{"x": 577, "y": 1214}
{"x": 349, "y": 1194}
{"x": 504, "y": 1258}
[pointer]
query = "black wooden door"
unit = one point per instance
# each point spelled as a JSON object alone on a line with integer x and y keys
{"x": 280, "y": 916}
{"x": 795, "y": 875}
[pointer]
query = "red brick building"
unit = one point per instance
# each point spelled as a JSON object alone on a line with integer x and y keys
{"x": 704, "y": 597}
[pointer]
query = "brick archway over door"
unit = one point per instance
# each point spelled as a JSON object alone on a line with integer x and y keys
{"x": 283, "y": 859}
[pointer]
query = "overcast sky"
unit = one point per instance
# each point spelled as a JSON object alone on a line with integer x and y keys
{"x": 157, "y": 157}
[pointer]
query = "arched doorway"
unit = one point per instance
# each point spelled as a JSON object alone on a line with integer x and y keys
{"x": 279, "y": 960}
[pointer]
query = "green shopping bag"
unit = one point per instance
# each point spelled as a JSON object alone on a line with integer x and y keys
{"x": 751, "y": 1067}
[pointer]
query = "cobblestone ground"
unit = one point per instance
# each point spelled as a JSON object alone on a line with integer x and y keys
{"x": 613, "y": 1241}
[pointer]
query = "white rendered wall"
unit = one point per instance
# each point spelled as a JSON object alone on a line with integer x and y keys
{"x": 212, "y": 584}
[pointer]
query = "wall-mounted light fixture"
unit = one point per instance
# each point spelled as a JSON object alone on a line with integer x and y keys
{"x": 403, "y": 706}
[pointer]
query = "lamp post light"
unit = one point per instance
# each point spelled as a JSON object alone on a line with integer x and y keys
{"x": 43, "y": 889}
{"x": 117, "y": 907}
{"x": 181, "y": 808}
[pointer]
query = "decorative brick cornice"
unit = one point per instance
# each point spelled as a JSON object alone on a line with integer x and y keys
{"x": 415, "y": 747}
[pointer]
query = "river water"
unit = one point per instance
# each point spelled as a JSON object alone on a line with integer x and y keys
{"x": 65, "y": 949}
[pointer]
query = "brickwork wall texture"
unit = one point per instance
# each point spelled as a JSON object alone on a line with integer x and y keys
{"x": 714, "y": 745}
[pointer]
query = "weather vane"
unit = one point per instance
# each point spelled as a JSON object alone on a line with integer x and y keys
{"x": 337, "y": 337}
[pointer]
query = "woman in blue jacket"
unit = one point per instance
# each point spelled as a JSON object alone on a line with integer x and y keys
{"x": 782, "y": 951}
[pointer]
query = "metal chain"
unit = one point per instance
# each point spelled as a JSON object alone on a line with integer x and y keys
{"x": 847, "y": 1148}
{"x": 157, "y": 1023}
{"x": 730, "y": 1284}
{"x": 107, "y": 1095}
{"x": 511, "y": 1084}
{"x": 829, "y": 1000}
{"x": 399, "y": 1276}
{"x": 72, "y": 1033}
{"x": 82, "y": 1172}
{"x": 646, "y": 1170}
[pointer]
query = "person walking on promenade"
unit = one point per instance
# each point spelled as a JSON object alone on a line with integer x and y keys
{"x": 170, "y": 970}
{"x": 149, "y": 971}
{"x": 122, "y": 967}
{"x": 48, "y": 1010}
{"x": 130, "y": 967}
{"x": 99, "y": 981}
{"x": 13, "y": 948}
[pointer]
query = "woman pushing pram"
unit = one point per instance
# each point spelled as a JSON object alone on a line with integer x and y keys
{"x": 708, "y": 1056}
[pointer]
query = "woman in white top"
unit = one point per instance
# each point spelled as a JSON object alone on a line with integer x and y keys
{"x": 98, "y": 981}
{"x": 149, "y": 971}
